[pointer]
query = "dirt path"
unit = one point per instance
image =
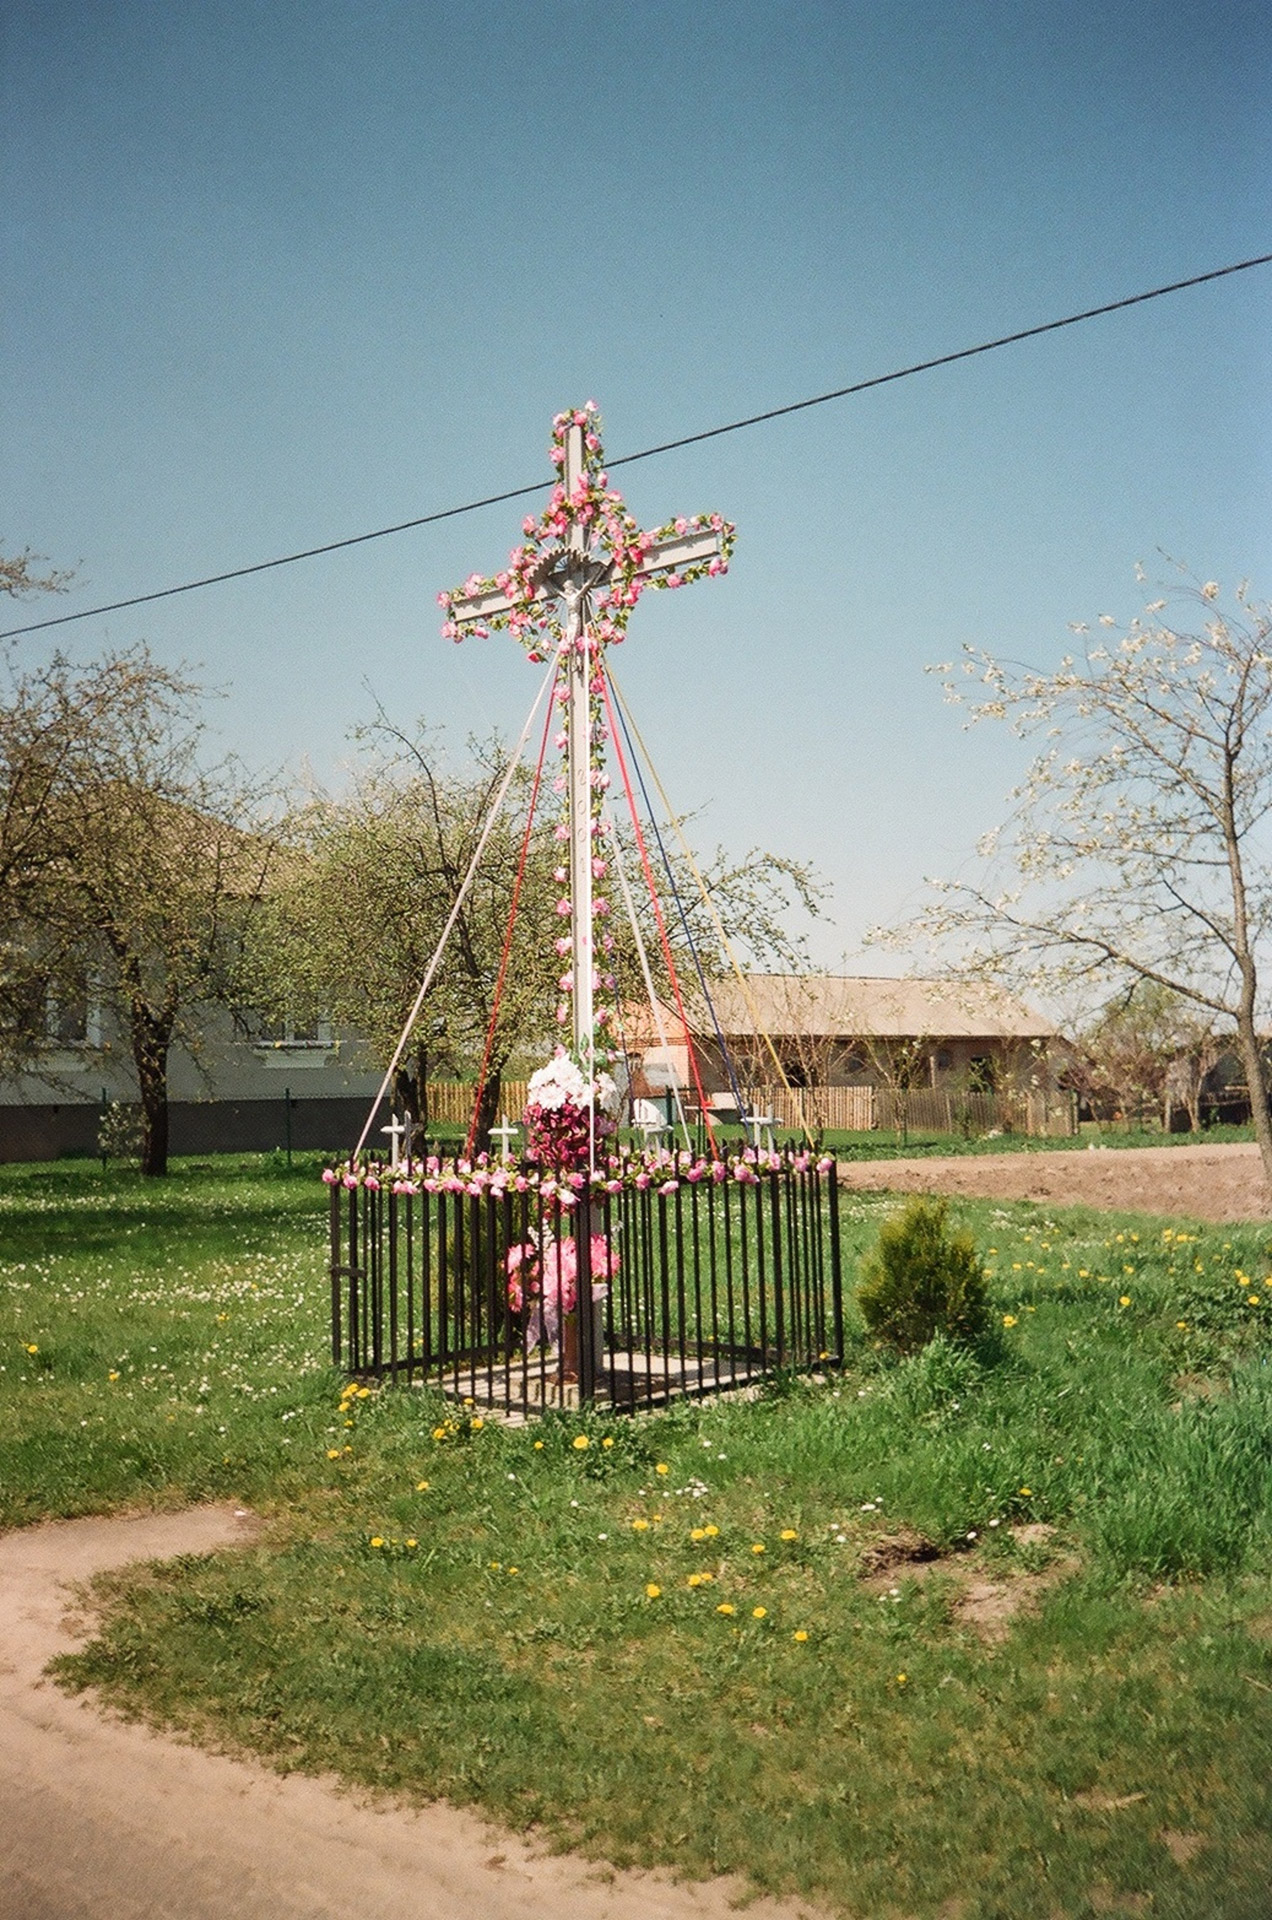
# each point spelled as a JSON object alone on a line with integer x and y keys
{"x": 100, "y": 1820}
{"x": 1218, "y": 1183}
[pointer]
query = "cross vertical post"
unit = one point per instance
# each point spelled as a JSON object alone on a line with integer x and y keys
{"x": 579, "y": 731}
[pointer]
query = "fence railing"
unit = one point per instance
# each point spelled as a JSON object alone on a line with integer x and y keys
{"x": 695, "y": 1285}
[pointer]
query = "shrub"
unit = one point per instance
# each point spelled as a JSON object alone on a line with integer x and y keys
{"x": 923, "y": 1279}
{"x": 119, "y": 1132}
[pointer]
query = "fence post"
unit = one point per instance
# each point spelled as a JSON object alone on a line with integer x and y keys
{"x": 836, "y": 1267}
{"x": 583, "y": 1297}
{"x": 336, "y": 1195}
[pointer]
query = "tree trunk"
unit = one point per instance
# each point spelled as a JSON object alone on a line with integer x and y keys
{"x": 488, "y": 1108}
{"x": 1251, "y": 1060}
{"x": 150, "y": 1040}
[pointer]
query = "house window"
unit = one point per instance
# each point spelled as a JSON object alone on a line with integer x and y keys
{"x": 283, "y": 1034}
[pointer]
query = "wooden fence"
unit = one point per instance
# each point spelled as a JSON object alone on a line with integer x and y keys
{"x": 840, "y": 1109}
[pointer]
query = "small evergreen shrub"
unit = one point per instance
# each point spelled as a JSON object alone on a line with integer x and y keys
{"x": 923, "y": 1279}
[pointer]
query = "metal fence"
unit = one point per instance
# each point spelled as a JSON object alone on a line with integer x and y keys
{"x": 697, "y": 1285}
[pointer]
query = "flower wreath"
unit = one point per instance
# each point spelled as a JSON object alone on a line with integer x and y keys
{"x": 600, "y": 509}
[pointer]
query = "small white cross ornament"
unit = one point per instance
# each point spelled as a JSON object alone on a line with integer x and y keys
{"x": 505, "y": 1133}
{"x": 395, "y": 1131}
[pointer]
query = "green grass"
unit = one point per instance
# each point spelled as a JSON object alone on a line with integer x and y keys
{"x": 501, "y": 1647}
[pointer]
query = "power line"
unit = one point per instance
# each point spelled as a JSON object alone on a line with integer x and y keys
{"x": 649, "y": 453}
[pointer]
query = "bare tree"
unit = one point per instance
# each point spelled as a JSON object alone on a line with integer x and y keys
{"x": 18, "y": 576}
{"x": 1137, "y": 848}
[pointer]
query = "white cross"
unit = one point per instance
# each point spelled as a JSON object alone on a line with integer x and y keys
{"x": 572, "y": 576}
{"x": 504, "y": 1133}
{"x": 395, "y": 1130}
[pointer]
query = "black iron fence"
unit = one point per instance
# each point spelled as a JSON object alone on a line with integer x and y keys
{"x": 661, "y": 1279}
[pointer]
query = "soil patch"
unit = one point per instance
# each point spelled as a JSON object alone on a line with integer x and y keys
{"x": 1219, "y": 1183}
{"x": 987, "y": 1604}
{"x": 106, "y": 1820}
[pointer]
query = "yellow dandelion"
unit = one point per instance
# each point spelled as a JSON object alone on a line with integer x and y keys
{"x": 608, "y": 1441}
{"x": 711, "y": 1531}
{"x": 1124, "y": 1300}
{"x": 697, "y": 1533}
{"x": 800, "y": 1634}
{"x": 364, "y": 1393}
{"x": 439, "y": 1433}
{"x": 662, "y": 1467}
{"x": 726, "y": 1606}
{"x": 1026, "y": 1493}
{"x": 640, "y": 1526}
{"x": 653, "y": 1592}
{"x": 412, "y": 1543}
{"x": 33, "y": 1347}
{"x": 581, "y": 1442}
{"x": 514, "y": 1569}
{"x": 1182, "y": 1325}
{"x": 788, "y": 1533}
{"x": 113, "y": 1374}
{"x": 759, "y": 1613}
{"x": 496, "y": 1566}
{"x": 1253, "y": 1298}
{"x": 333, "y": 1453}
{"x": 694, "y": 1580}
{"x": 477, "y": 1424}
{"x": 538, "y": 1446}
{"x": 901, "y": 1679}
{"x": 377, "y": 1540}
{"x": 1009, "y": 1319}
{"x": 758, "y": 1547}
{"x": 421, "y": 1486}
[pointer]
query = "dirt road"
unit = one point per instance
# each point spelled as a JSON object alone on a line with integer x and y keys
{"x": 1202, "y": 1183}
{"x": 100, "y": 1820}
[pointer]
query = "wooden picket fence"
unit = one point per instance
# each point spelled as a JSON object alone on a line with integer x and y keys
{"x": 840, "y": 1109}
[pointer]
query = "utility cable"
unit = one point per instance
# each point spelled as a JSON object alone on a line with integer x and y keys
{"x": 513, "y": 763}
{"x": 708, "y": 902}
{"x": 649, "y": 453}
{"x": 725, "y": 1055}
{"x": 497, "y": 997}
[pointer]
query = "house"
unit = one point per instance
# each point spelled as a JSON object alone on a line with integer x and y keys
{"x": 824, "y": 1035}
{"x": 249, "y": 1087}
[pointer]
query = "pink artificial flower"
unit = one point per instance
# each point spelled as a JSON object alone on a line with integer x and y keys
{"x": 329, "y": 1177}
{"x": 563, "y": 907}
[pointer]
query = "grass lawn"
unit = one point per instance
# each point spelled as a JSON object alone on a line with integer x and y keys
{"x": 776, "y": 1638}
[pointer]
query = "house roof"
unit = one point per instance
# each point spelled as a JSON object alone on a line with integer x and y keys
{"x": 848, "y": 1006}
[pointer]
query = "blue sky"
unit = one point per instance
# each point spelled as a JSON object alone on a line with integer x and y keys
{"x": 278, "y": 273}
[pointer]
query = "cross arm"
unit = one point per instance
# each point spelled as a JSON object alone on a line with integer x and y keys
{"x": 682, "y": 550}
{"x": 466, "y": 609}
